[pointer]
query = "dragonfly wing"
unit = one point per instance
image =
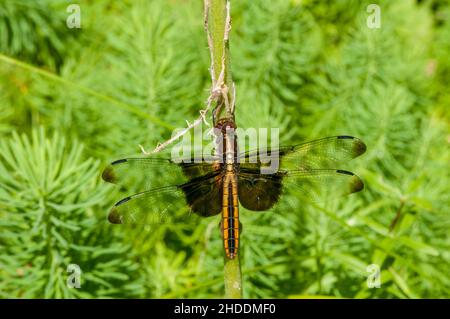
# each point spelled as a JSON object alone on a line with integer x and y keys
{"x": 317, "y": 185}
{"x": 165, "y": 205}
{"x": 258, "y": 191}
{"x": 261, "y": 191}
{"x": 141, "y": 172}
{"x": 204, "y": 194}
{"x": 322, "y": 153}
{"x": 157, "y": 206}
{"x": 197, "y": 168}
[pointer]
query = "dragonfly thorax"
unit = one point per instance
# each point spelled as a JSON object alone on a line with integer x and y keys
{"x": 227, "y": 142}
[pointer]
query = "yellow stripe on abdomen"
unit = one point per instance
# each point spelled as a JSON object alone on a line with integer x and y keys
{"x": 230, "y": 215}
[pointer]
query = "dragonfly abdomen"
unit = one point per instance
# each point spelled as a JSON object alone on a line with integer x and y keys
{"x": 230, "y": 215}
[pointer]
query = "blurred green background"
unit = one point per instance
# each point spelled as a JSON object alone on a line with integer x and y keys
{"x": 72, "y": 100}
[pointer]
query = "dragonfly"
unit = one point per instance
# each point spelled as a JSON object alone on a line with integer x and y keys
{"x": 219, "y": 183}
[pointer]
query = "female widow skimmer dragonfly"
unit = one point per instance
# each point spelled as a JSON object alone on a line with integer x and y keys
{"x": 219, "y": 184}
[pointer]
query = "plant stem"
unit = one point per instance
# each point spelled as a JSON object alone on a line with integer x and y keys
{"x": 233, "y": 278}
{"x": 217, "y": 26}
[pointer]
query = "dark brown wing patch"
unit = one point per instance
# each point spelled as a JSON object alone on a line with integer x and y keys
{"x": 204, "y": 194}
{"x": 259, "y": 192}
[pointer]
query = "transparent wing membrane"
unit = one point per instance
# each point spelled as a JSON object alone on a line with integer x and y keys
{"x": 322, "y": 153}
{"x": 322, "y": 184}
{"x": 146, "y": 173}
{"x": 158, "y": 206}
{"x": 315, "y": 185}
{"x": 169, "y": 204}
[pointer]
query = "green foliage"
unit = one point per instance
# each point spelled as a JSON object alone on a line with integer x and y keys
{"x": 34, "y": 30}
{"x": 309, "y": 68}
{"x": 48, "y": 196}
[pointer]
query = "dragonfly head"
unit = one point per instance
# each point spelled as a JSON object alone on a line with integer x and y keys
{"x": 225, "y": 124}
